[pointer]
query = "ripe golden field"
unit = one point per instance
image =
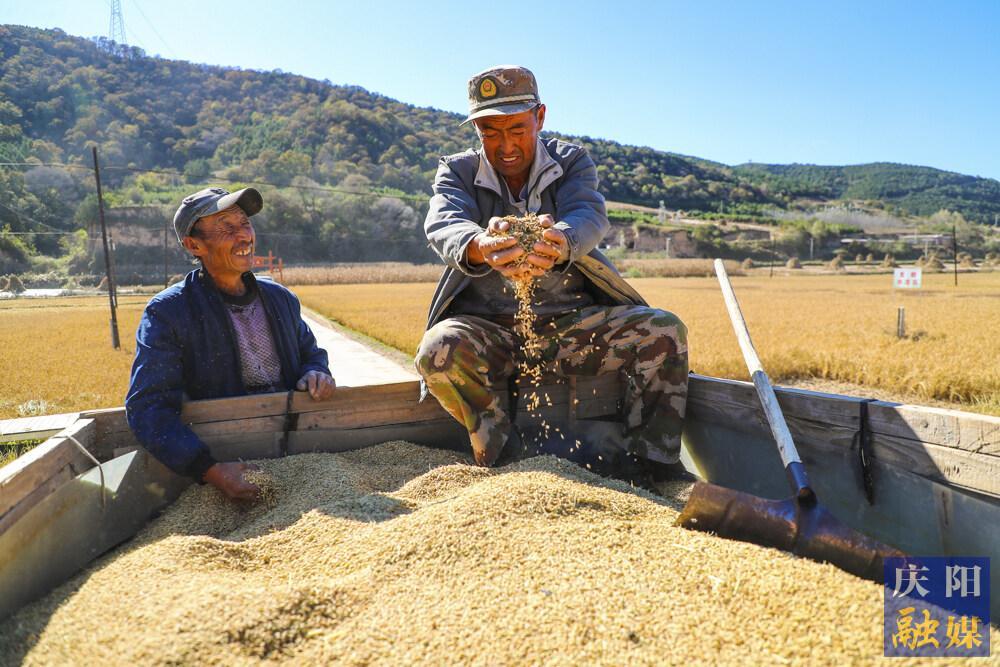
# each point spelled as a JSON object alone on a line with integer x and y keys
{"x": 840, "y": 328}
{"x": 55, "y": 354}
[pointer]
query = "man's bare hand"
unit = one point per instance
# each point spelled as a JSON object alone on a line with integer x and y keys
{"x": 228, "y": 478}
{"x": 319, "y": 384}
{"x": 551, "y": 250}
{"x": 495, "y": 248}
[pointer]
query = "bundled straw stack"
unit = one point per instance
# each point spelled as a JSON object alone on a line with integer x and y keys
{"x": 398, "y": 554}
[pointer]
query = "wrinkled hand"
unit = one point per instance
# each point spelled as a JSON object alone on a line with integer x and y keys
{"x": 501, "y": 251}
{"x": 319, "y": 384}
{"x": 551, "y": 250}
{"x": 228, "y": 478}
{"x": 495, "y": 248}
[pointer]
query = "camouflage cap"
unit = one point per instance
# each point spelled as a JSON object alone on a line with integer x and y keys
{"x": 502, "y": 90}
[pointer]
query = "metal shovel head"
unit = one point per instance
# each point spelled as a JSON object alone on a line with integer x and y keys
{"x": 805, "y": 529}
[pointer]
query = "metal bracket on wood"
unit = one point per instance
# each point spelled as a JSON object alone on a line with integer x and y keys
{"x": 866, "y": 456}
{"x": 290, "y": 424}
{"x": 100, "y": 470}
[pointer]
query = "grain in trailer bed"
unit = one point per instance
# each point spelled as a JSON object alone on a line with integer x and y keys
{"x": 398, "y": 554}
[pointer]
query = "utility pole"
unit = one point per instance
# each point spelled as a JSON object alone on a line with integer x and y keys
{"x": 166, "y": 233}
{"x": 954, "y": 251}
{"x": 770, "y": 263}
{"x": 112, "y": 294}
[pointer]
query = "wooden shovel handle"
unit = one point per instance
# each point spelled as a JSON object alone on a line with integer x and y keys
{"x": 772, "y": 411}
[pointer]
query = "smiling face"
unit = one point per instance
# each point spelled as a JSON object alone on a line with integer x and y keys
{"x": 509, "y": 143}
{"x": 224, "y": 242}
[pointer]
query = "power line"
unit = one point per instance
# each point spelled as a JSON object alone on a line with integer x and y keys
{"x": 164, "y": 172}
{"x": 135, "y": 3}
{"x": 22, "y": 214}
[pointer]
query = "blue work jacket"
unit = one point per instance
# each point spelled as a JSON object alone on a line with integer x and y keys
{"x": 186, "y": 349}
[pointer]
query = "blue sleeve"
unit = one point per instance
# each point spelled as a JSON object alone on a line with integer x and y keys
{"x": 313, "y": 357}
{"x": 155, "y": 394}
{"x": 582, "y": 213}
{"x": 453, "y": 221}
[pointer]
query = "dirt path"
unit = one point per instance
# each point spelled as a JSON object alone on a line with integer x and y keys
{"x": 354, "y": 363}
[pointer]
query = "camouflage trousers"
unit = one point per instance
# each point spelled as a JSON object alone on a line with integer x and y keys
{"x": 466, "y": 361}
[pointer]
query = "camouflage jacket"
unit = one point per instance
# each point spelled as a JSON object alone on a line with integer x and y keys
{"x": 563, "y": 183}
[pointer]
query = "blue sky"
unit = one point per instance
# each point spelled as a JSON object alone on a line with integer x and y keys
{"x": 826, "y": 83}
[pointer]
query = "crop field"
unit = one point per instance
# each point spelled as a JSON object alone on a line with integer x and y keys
{"x": 838, "y": 328}
{"x": 55, "y": 354}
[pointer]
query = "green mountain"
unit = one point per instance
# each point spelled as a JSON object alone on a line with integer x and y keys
{"x": 345, "y": 167}
{"x": 915, "y": 190}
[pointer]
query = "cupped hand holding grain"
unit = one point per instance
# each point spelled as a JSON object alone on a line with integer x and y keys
{"x": 230, "y": 478}
{"x": 551, "y": 250}
{"x": 498, "y": 249}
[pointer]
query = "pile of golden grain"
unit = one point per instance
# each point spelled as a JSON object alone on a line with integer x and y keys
{"x": 399, "y": 555}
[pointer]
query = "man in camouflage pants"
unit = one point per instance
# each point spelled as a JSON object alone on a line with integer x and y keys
{"x": 590, "y": 320}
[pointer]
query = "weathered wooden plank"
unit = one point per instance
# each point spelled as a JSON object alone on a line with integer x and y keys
{"x": 32, "y": 470}
{"x": 112, "y": 431}
{"x": 979, "y": 434}
{"x": 244, "y": 446}
{"x": 729, "y": 405}
{"x": 35, "y": 496}
{"x": 444, "y": 433}
{"x": 346, "y": 400}
{"x": 263, "y": 405}
{"x": 386, "y": 410}
{"x": 238, "y": 407}
{"x": 832, "y": 409}
{"x": 975, "y": 433}
{"x": 243, "y": 427}
{"x": 956, "y": 467}
{"x": 30, "y": 428}
{"x": 722, "y": 408}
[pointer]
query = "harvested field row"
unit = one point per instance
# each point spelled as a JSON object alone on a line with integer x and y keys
{"x": 806, "y": 327}
{"x": 362, "y": 272}
{"x": 56, "y": 354}
{"x": 402, "y": 555}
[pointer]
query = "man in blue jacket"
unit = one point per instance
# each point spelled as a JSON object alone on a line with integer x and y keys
{"x": 219, "y": 333}
{"x": 591, "y": 321}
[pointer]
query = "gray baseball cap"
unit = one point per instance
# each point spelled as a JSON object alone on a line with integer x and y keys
{"x": 502, "y": 90}
{"x": 213, "y": 200}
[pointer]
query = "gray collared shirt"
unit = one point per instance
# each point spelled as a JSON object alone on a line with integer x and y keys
{"x": 557, "y": 292}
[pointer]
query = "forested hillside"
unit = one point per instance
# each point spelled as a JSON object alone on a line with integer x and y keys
{"x": 338, "y": 161}
{"x": 916, "y": 190}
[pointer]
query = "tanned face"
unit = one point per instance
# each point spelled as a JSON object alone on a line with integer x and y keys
{"x": 509, "y": 143}
{"x": 224, "y": 242}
